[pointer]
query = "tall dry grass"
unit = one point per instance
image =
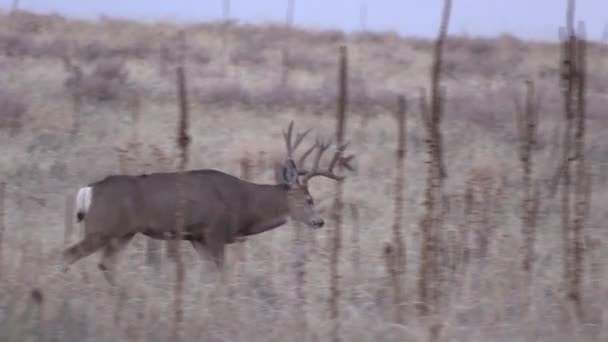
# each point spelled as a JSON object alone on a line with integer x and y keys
{"x": 527, "y": 128}
{"x": 486, "y": 296}
{"x": 337, "y": 210}
{"x": 430, "y": 277}
{"x": 183, "y": 142}
{"x": 398, "y": 262}
{"x": 2, "y": 220}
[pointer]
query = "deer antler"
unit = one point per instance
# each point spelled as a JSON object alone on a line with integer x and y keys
{"x": 291, "y": 146}
{"x": 321, "y": 147}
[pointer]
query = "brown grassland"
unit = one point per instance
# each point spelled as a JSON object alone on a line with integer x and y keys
{"x": 80, "y": 100}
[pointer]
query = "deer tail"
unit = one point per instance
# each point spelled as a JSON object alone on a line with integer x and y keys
{"x": 83, "y": 202}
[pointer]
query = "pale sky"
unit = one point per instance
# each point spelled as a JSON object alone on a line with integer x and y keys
{"x": 536, "y": 19}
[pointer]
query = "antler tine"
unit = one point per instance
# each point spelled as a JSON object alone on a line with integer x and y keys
{"x": 338, "y": 157}
{"x": 322, "y": 148}
{"x": 303, "y": 158}
{"x": 287, "y": 137}
{"x": 293, "y": 145}
{"x": 345, "y": 162}
{"x": 316, "y": 171}
{"x": 299, "y": 138}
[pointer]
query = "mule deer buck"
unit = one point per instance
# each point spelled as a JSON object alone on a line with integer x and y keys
{"x": 220, "y": 209}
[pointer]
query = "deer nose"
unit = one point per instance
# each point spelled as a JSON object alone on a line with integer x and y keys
{"x": 318, "y": 223}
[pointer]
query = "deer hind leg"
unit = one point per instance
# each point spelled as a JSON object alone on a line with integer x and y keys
{"x": 110, "y": 256}
{"x": 87, "y": 246}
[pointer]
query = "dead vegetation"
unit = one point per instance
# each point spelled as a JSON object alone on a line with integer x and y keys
{"x": 13, "y": 117}
{"x": 489, "y": 260}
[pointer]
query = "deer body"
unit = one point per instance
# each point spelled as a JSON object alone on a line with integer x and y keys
{"x": 147, "y": 204}
{"x": 218, "y": 209}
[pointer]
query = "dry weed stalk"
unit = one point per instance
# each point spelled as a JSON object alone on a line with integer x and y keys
{"x": 183, "y": 141}
{"x": 68, "y": 219}
{"x": 429, "y": 272}
{"x": 285, "y": 51}
{"x": 2, "y": 214}
{"x": 469, "y": 202}
{"x": 363, "y": 17}
{"x": 582, "y": 182}
{"x": 527, "y": 123}
{"x": 390, "y": 263}
{"x": 398, "y": 263}
{"x": 338, "y": 203}
{"x": 356, "y": 246}
{"x": 75, "y": 79}
{"x": 180, "y": 47}
{"x": 246, "y": 174}
{"x": 573, "y": 173}
{"x": 224, "y": 34}
{"x": 484, "y": 202}
{"x": 300, "y": 247}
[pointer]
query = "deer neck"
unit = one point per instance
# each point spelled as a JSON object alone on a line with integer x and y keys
{"x": 269, "y": 208}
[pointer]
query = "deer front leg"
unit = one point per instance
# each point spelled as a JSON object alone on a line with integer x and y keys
{"x": 216, "y": 250}
{"x": 201, "y": 248}
{"x": 210, "y": 252}
{"x": 216, "y": 237}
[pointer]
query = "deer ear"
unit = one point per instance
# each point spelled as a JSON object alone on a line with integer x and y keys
{"x": 290, "y": 172}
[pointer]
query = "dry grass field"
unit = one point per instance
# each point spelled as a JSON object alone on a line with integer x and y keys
{"x": 80, "y": 100}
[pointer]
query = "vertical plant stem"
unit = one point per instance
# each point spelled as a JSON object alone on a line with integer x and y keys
{"x": 363, "y": 17}
{"x": 429, "y": 276}
{"x": 224, "y": 34}
{"x": 390, "y": 263}
{"x": 356, "y": 247}
{"x": 285, "y": 52}
{"x": 76, "y": 114}
{"x": 338, "y": 204}
{"x": 568, "y": 74}
{"x": 565, "y": 176}
{"x": 582, "y": 183}
{"x": 68, "y": 219}
{"x": 300, "y": 279}
{"x": 181, "y": 47}
{"x": 246, "y": 174}
{"x": 2, "y": 221}
{"x": 573, "y": 173}
{"x": 183, "y": 141}
{"x": 527, "y": 121}
{"x": 399, "y": 255}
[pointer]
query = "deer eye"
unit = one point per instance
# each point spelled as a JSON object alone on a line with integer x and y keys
{"x": 309, "y": 201}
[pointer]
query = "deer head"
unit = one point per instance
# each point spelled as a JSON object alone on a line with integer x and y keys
{"x": 295, "y": 176}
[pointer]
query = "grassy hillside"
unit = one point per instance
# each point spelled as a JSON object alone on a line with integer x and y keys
{"x": 80, "y": 100}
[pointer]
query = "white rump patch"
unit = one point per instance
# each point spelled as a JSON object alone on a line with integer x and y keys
{"x": 83, "y": 200}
